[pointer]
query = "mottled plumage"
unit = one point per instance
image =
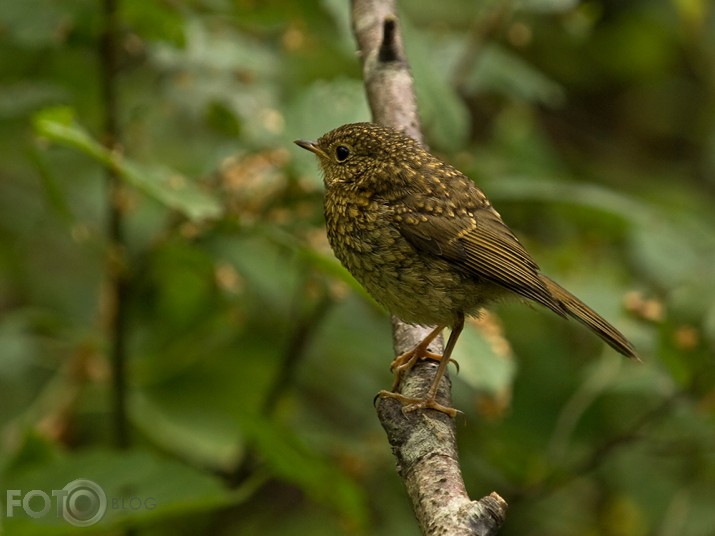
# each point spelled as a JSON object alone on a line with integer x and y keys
{"x": 425, "y": 241}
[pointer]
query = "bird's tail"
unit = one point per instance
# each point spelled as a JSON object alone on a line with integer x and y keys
{"x": 590, "y": 318}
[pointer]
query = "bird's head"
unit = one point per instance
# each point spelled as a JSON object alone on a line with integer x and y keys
{"x": 360, "y": 154}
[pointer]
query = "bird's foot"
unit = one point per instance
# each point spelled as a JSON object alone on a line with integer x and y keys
{"x": 412, "y": 404}
{"x": 404, "y": 363}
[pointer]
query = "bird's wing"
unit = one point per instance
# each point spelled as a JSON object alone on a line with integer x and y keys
{"x": 478, "y": 242}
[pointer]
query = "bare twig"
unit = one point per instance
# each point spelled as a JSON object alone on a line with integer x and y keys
{"x": 424, "y": 442}
{"x": 117, "y": 284}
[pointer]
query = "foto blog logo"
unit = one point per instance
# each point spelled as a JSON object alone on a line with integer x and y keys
{"x": 81, "y": 503}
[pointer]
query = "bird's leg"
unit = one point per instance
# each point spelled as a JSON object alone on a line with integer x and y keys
{"x": 404, "y": 362}
{"x": 430, "y": 401}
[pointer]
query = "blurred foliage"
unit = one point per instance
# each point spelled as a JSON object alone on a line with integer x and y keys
{"x": 253, "y": 357}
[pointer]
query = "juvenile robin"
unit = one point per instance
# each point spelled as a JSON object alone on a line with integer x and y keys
{"x": 427, "y": 244}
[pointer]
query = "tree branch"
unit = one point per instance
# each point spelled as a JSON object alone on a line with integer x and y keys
{"x": 116, "y": 287}
{"x": 423, "y": 442}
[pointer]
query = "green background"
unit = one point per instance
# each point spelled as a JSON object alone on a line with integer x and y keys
{"x": 253, "y": 357}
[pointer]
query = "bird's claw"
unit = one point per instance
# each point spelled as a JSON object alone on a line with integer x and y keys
{"x": 412, "y": 404}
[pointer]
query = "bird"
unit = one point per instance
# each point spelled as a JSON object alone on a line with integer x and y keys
{"x": 427, "y": 244}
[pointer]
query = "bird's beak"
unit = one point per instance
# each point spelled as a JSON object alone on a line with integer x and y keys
{"x": 311, "y": 146}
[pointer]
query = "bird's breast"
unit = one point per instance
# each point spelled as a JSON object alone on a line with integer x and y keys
{"x": 415, "y": 287}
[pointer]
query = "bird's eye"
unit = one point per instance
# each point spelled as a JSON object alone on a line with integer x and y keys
{"x": 341, "y": 153}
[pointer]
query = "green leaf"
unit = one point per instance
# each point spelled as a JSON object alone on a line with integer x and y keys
{"x": 139, "y": 488}
{"x": 317, "y": 477}
{"x": 155, "y": 21}
{"x": 443, "y": 112}
{"x": 485, "y": 362}
{"x": 207, "y": 436}
{"x": 58, "y": 124}
{"x": 503, "y": 72}
{"x": 172, "y": 189}
{"x": 515, "y": 188}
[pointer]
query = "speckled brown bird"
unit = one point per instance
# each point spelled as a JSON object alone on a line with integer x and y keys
{"x": 426, "y": 243}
